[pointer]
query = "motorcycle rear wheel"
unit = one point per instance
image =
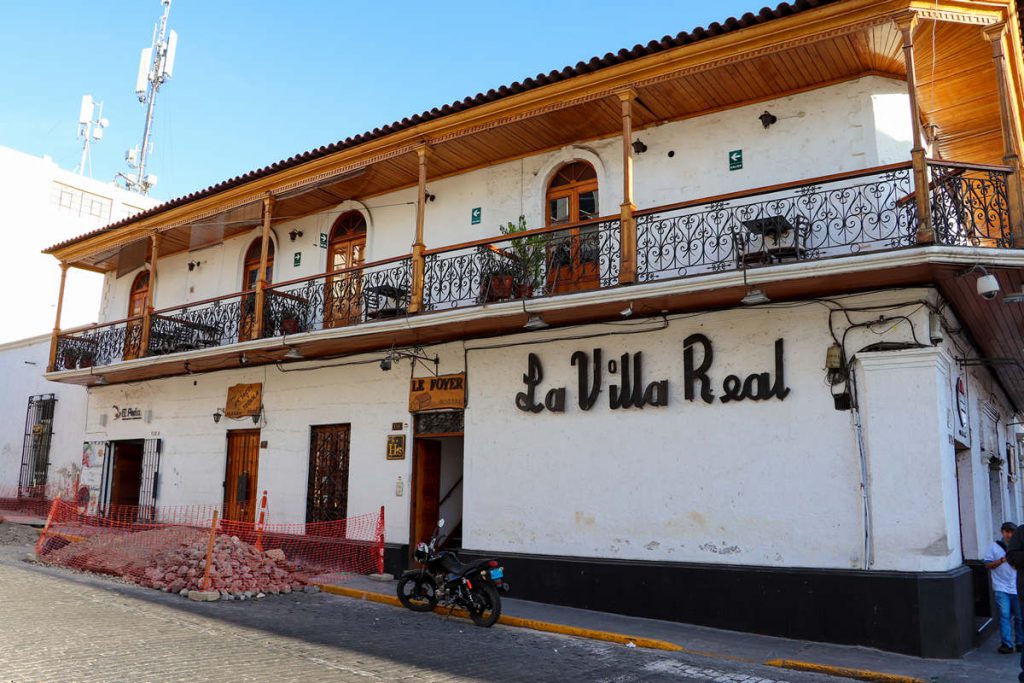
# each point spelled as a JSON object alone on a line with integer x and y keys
{"x": 485, "y": 604}
{"x": 417, "y": 592}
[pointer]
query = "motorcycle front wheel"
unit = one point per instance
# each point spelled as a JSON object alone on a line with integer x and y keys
{"x": 484, "y": 604}
{"x": 417, "y": 592}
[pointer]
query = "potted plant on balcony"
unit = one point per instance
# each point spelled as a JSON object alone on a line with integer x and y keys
{"x": 527, "y": 253}
{"x": 290, "y": 320}
{"x": 497, "y": 276}
{"x": 69, "y": 358}
{"x": 87, "y": 359}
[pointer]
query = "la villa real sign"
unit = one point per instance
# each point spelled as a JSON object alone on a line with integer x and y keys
{"x": 628, "y": 388}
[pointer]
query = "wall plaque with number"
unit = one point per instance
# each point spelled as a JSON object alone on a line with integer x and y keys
{"x": 396, "y": 447}
{"x": 244, "y": 400}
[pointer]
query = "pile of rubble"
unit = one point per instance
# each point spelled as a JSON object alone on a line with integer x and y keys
{"x": 236, "y": 569}
{"x": 174, "y": 560}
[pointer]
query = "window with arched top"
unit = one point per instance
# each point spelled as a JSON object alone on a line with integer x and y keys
{"x": 346, "y": 250}
{"x": 573, "y": 258}
{"x": 251, "y": 269}
{"x": 572, "y": 194}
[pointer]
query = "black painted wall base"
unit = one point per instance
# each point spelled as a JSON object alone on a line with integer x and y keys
{"x": 396, "y": 558}
{"x": 924, "y": 614}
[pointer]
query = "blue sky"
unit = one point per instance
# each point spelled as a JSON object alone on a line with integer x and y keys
{"x": 259, "y": 81}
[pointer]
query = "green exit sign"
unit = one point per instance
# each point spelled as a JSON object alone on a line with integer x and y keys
{"x": 476, "y": 215}
{"x": 297, "y": 259}
{"x": 736, "y": 160}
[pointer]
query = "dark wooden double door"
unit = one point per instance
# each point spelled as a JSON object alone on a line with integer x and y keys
{"x": 241, "y": 475}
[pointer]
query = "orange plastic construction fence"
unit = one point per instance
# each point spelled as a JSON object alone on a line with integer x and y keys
{"x": 167, "y": 547}
{"x": 27, "y": 503}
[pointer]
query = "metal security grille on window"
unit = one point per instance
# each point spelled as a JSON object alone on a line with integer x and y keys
{"x": 444, "y": 422}
{"x": 327, "y": 493}
{"x": 35, "y": 457}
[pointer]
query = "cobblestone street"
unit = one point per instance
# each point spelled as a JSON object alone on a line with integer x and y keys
{"x": 61, "y": 626}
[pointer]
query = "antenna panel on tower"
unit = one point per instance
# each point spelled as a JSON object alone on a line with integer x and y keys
{"x": 143, "y": 78}
{"x": 172, "y": 47}
{"x": 85, "y": 113}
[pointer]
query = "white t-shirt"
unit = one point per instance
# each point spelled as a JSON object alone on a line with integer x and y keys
{"x": 1004, "y": 577}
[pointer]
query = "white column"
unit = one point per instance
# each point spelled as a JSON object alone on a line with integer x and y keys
{"x": 904, "y": 398}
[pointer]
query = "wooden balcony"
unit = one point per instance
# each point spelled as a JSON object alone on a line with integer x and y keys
{"x": 795, "y": 224}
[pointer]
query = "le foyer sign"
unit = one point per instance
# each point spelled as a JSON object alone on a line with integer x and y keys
{"x": 631, "y": 389}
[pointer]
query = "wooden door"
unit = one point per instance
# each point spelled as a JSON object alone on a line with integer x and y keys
{"x": 327, "y": 492}
{"x": 573, "y": 256}
{"x": 343, "y": 292}
{"x": 426, "y": 489}
{"x": 240, "y": 480}
{"x": 137, "y": 301}
{"x": 250, "y": 276}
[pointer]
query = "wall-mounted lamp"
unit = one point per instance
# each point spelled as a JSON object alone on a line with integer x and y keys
{"x": 192, "y": 265}
{"x": 627, "y": 311}
{"x": 754, "y": 297}
{"x": 429, "y": 197}
{"x": 101, "y": 380}
{"x": 767, "y": 118}
{"x": 294, "y": 235}
{"x": 217, "y": 415}
{"x": 639, "y": 147}
{"x": 243, "y": 359}
{"x": 256, "y": 417}
{"x": 415, "y": 354}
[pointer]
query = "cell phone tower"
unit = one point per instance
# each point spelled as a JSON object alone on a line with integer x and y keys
{"x": 156, "y": 64}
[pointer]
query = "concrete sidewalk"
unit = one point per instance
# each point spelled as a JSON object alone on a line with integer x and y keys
{"x": 982, "y": 664}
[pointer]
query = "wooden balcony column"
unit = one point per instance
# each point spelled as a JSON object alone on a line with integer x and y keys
{"x": 627, "y": 224}
{"x": 416, "y": 296}
{"x": 147, "y": 316}
{"x": 996, "y": 34}
{"x": 52, "y": 365}
{"x": 261, "y": 278}
{"x": 906, "y": 23}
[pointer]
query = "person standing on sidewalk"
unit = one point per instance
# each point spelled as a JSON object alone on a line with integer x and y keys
{"x": 1004, "y": 585}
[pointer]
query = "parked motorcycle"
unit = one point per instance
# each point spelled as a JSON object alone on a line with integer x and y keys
{"x": 445, "y": 580}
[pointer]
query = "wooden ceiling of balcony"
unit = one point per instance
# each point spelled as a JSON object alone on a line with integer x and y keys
{"x": 957, "y": 91}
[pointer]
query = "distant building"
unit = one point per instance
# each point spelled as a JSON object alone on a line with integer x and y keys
{"x": 43, "y": 203}
{"x": 42, "y": 423}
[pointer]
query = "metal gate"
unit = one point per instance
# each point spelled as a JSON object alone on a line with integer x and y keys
{"x": 150, "y": 479}
{"x": 35, "y": 454}
{"x": 327, "y": 493}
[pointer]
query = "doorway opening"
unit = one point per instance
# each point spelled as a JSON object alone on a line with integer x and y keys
{"x": 437, "y": 477}
{"x": 240, "y": 475}
{"x": 131, "y": 478}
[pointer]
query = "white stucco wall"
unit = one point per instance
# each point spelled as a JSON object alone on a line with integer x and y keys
{"x": 842, "y": 127}
{"x": 753, "y": 482}
{"x": 21, "y": 365}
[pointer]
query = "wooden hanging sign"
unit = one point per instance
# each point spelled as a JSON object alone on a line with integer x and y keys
{"x": 444, "y": 392}
{"x": 244, "y": 400}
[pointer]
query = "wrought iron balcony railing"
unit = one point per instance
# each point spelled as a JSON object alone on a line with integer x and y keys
{"x": 99, "y": 345}
{"x": 373, "y": 291}
{"x": 532, "y": 264}
{"x": 834, "y": 216}
{"x": 203, "y": 324}
{"x": 830, "y": 217}
{"x": 970, "y": 205}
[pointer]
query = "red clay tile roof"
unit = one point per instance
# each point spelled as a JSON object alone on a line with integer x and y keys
{"x": 594, "y": 64}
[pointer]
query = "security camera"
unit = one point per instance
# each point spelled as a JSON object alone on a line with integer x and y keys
{"x": 988, "y": 286}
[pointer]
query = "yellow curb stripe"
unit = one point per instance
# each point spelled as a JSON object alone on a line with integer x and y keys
{"x": 845, "y": 672}
{"x": 518, "y": 622}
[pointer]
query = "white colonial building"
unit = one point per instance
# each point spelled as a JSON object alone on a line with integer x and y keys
{"x": 717, "y": 329}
